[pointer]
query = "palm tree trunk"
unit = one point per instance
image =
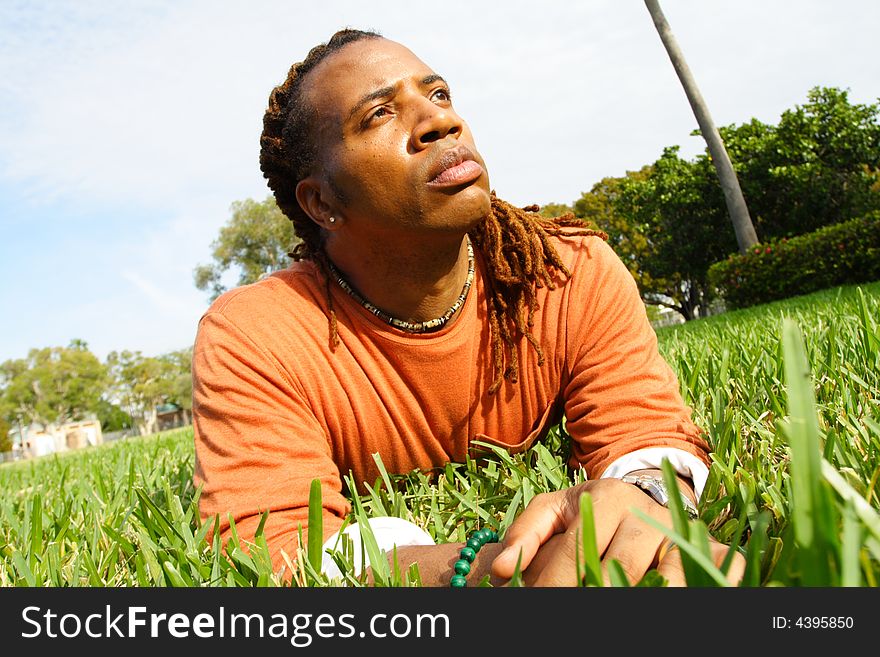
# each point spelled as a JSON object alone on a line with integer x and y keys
{"x": 736, "y": 204}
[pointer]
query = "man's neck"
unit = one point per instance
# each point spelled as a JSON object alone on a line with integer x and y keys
{"x": 412, "y": 280}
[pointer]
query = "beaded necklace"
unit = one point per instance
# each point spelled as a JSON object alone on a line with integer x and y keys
{"x": 410, "y": 327}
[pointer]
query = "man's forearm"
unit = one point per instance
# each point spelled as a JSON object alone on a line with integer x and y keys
{"x": 436, "y": 562}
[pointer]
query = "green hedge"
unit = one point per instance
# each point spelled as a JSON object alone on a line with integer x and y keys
{"x": 841, "y": 254}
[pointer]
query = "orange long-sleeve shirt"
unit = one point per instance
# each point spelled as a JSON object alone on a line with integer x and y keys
{"x": 274, "y": 407}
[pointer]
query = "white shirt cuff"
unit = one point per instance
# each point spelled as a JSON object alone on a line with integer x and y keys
{"x": 684, "y": 463}
{"x": 388, "y": 531}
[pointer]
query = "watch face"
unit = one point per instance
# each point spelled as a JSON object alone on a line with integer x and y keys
{"x": 651, "y": 485}
{"x": 656, "y": 488}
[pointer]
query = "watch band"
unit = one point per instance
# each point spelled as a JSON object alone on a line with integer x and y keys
{"x": 656, "y": 488}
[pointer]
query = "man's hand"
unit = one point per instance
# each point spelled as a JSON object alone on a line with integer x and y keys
{"x": 547, "y": 531}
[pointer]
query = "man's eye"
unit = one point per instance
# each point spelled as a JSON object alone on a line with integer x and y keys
{"x": 442, "y": 95}
{"x": 378, "y": 114}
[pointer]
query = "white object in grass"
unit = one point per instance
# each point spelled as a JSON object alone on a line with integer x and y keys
{"x": 389, "y": 531}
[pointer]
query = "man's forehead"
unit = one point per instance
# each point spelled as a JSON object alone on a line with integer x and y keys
{"x": 362, "y": 67}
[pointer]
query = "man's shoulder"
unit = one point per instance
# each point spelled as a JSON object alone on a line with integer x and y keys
{"x": 596, "y": 271}
{"x": 582, "y": 251}
{"x": 290, "y": 292}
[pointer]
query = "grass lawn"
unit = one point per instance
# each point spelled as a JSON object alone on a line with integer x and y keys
{"x": 789, "y": 394}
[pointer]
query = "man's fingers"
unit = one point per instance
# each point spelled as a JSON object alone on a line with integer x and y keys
{"x": 520, "y": 549}
{"x": 737, "y": 565}
{"x": 555, "y": 564}
{"x": 554, "y": 513}
{"x": 543, "y": 517}
{"x": 634, "y": 547}
{"x": 670, "y": 563}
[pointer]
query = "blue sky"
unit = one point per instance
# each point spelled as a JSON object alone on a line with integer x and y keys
{"x": 128, "y": 129}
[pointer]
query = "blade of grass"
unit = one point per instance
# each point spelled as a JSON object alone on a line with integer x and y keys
{"x": 810, "y": 506}
{"x": 36, "y": 542}
{"x": 516, "y": 581}
{"x": 864, "y": 511}
{"x": 316, "y": 525}
{"x": 693, "y": 573}
{"x": 375, "y": 556}
{"x": 755, "y": 549}
{"x": 851, "y": 574}
{"x": 703, "y": 561}
{"x": 591, "y": 560}
{"x": 383, "y": 473}
{"x": 617, "y": 576}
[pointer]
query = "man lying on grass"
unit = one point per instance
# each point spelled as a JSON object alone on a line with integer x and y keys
{"x": 422, "y": 313}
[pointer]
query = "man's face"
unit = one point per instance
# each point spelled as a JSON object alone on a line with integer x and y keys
{"x": 392, "y": 152}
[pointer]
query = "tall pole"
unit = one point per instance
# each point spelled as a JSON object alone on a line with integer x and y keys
{"x": 736, "y": 204}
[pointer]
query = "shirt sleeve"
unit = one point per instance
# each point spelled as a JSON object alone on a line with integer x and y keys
{"x": 684, "y": 463}
{"x": 258, "y": 444}
{"x": 621, "y": 395}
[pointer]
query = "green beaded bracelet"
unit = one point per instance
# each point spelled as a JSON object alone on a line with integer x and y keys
{"x": 467, "y": 555}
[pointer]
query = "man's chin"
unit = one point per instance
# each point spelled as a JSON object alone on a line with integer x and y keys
{"x": 466, "y": 206}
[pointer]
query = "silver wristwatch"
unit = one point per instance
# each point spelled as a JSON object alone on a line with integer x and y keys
{"x": 656, "y": 488}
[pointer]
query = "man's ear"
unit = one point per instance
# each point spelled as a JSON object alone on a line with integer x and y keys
{"x": 309, "y": 197}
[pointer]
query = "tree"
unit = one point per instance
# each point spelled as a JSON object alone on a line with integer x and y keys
{"x": 143, "y": 383}
{"x": 5, "y": 441}
{"x": 256, "y": 240}
{"x": 819, "y": 166}
{"x": 112, "y": 417}
{"x": 736, "y": 204}
{"x": 139, "y": 386}
{"x": 681, "y": 213}
{"x": 555, "y": 210}
{"x": 667, "y": 224}
{"x": 179, "y": 383}
{"x": 53, "y": 385}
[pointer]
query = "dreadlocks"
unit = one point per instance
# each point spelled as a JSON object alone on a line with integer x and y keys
{"x": 514, "y": 242}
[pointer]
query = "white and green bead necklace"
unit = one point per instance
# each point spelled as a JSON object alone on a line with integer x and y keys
{"x": 411, "y": 327}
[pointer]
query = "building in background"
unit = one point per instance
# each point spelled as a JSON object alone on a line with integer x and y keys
{"x": 36, "y": 439}
{"x": 172, "y": 416}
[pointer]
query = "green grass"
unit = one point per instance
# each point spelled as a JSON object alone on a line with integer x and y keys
{"x": 789, "y": 394}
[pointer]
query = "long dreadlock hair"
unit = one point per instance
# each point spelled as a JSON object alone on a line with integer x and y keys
{"x": 513, "y": 241}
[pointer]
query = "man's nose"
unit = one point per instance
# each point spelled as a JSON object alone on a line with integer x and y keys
{"x": 435, "y": 123}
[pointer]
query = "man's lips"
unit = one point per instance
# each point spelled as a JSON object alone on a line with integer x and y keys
{"x": 456, "y": 166}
